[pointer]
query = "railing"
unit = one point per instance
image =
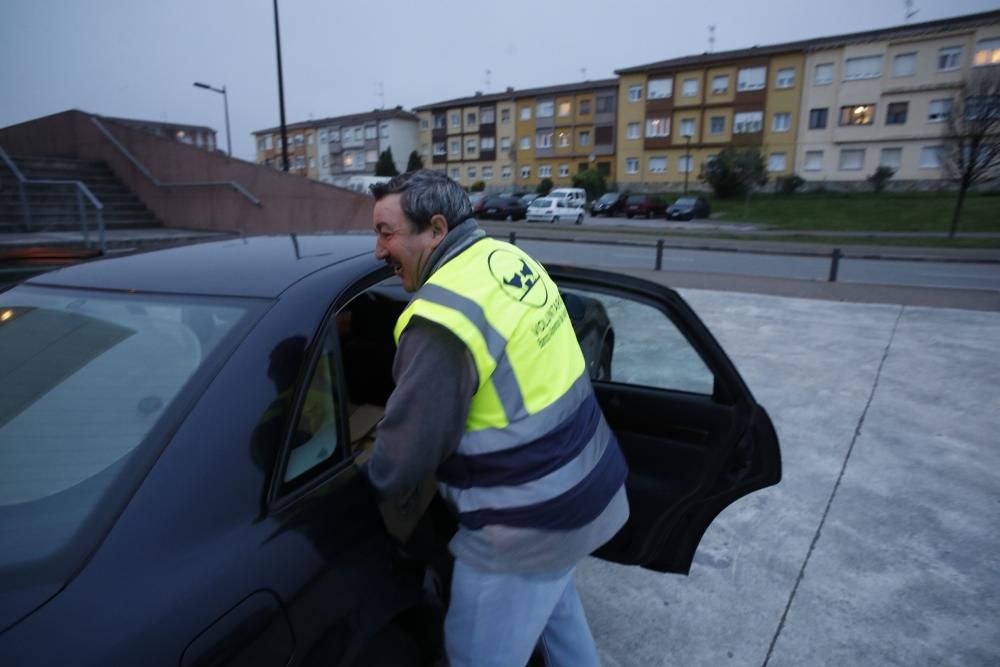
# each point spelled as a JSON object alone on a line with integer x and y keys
{"x": 81, "y": 191}
{"x": 160, "y": 184}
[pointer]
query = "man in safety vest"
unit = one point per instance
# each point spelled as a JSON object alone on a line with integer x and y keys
{"x": 492, "y": 395}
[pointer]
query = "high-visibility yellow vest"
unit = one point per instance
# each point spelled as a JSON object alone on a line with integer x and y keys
{"x": 536, "y": 450}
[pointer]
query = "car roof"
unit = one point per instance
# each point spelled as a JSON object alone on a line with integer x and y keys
{"x": 255, "y": 266}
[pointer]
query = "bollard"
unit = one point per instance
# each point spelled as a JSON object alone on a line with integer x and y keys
{"x": 513, "y": 238}
{"x": 834, "y": 265}
{"x": 659, "y": 255}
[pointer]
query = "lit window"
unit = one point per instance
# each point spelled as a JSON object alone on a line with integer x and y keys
{"x": 657, "y": 127}
{"x": 658, "y": 89}
{"x": 748, "y": 122}
{"x": 860, "y": 114}
{"x": 634, "y": 94}
{"x": 689, "y": 88}
{"x": 657, "y": 165}
{"x": 776, "y": 162}
{"x": 852, "y": 159}
{"x": 895, "y": 113}
{"x": 949, "y": 58}
{"x": 563, "y": 139}
{"x": 545, "y": 171}
{"x": 814, "y": 160}
{"x": 930, "y": 157}
{"x": 717, "y": 125}
{"x": 564, "y": 109}
{"x": 563, "y": 170}
{"x": 632, "y": 131}
{"x": 824, "y": 74}
{"x": 751, "y": 78}
{"x": 938, "y": 111}
{"x": 785, "y": 78}
{"x": 905, "y": 64}
{"x": 868, "y": 67}
{"x": 891, "y": 157}
{"x": 987, "y": 52}
{"x": 720, "y": 84}
{"x": 632, "y": 165}
{"x": 782, "y": 121}
{"x": 544, "y": 110}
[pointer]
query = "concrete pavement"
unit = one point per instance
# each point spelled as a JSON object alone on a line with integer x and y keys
{"x": 879, "y": 546}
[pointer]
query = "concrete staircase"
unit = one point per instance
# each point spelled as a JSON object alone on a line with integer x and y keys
{"x": 55, "y": 208}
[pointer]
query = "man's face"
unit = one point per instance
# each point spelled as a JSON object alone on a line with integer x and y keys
{"x": 399, "y": 244}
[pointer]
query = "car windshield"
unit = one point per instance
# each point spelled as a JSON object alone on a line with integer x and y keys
{"x": 608, "y": 198}
{"x": 636, "y": 199}
{"x": 90, "y": 382}
{"x": 558, "y": 195}
{"x": 684, "y": 201}
{"x": 541, "y": 203}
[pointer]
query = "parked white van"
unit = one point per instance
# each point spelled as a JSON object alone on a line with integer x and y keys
{"x": 572, "y": 197}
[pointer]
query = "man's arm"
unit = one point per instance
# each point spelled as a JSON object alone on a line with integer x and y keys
{"x": 425, "y": 415}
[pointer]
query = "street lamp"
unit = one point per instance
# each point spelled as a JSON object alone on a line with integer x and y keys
{"x": 687, "y": 160}
{"x": 225, "y": 102}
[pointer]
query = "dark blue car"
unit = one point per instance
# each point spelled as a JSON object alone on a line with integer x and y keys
{"x": 179, "y": 432}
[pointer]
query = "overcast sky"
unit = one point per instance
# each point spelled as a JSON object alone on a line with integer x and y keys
{"x": 139, "y": 58}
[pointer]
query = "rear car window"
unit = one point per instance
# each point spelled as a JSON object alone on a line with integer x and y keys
{"x": 86, "y": 379}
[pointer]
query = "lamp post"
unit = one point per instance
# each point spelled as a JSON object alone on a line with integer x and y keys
{"x": 281, "y": 91}
{"x": 225, "y": 103}
{"x": 687, "y": 160}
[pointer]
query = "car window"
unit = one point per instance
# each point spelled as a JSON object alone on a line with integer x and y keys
{"x": 636, "y": 199}
{"x": 636, "y": 336}
{"x": 541, "y": 203}
{"x": 684, "y": 201}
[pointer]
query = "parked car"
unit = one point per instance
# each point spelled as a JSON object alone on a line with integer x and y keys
{"x": 502, "y": 208}
{"x": 477, "y": 199}
{"x": 180, "y": 432}
{"x": 528, "y": 198}
{"x": 688, "y": 208}
{"x": 609, "y": 204}
{"x": 643, "y": 205}
{"x": 572, "y": 196}
{"x": 545, "y": 209}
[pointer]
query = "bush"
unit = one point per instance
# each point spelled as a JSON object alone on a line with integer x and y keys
{"x": 415, "y": 162}
{"x": 478, "y": 186}
{"x": 385, "y": 165}
{"x": 734, "y": 173}
{"x": 592, "y": 181}
{"x": 787, "y": 185}
{"x": 544, "y": 187}
{"x": 880, "y": 178}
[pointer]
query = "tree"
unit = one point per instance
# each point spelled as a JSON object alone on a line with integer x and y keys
{"x": 880, "y": 177}
{"x": 736, "y": 172}
{"x": 544, "y": 186}
{"x": 415, "y": 162}
{"x": 478, "y": 186}
{"x": 386, "y": 166}
{"x": 592, "y": 181}
{"x": 971, "y": 151}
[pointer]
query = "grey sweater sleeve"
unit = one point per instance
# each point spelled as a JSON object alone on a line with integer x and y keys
{"x": 425, "y": 415}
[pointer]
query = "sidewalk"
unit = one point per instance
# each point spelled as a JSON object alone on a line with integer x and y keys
{"x": 879, "y": 546}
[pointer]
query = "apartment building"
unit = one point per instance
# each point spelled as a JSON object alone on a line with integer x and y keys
{"x": 200, "y": 136}
{"x": 512, "y": 140}
{"x": 335, "y": 149}
{"x": 676, "y": 114}
{"x": 883, "y": 98}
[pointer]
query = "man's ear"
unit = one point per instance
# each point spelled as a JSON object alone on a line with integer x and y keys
{"x": 439, "y": 227}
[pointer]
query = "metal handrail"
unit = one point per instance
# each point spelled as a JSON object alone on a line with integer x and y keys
{"x": 81, "y": 191}
{"x": 160, "y": 184}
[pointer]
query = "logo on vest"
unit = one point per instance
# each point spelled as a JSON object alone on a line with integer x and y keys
{"x": 518, "y": 277}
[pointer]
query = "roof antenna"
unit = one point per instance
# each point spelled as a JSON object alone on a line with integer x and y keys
{"x": 711, "y": 38}
{"x": 583, "y": 73}
{"x": 487, "y": 81}
{"x": 909, "y": 11}
{"x": 381, "y": 93}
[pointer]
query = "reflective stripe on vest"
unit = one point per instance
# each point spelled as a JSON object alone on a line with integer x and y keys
{"x": 536, "y": 450}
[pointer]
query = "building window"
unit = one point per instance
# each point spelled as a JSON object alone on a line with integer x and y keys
{"x": 687, "y": 127}
{"x": 371, "y": 156}
{"x": 776, "y": 162}
{"x": 751, "y": 78}
{"x": 370, "y": 132}
{"x": 543, "y": 140}
{"x": 487, "y": 144}
{"x": 891, "y": 157}
{"x": 605, "y": 104}
{"x": 748, "y": 122}
{"x": 525, "y": 113}
{"x": 657, "y": 165}
{"x": 634, "y": 93}
{"x": 487, "y": 117}
{"x": 260, "y": 143}
{"x": 860, "y": 114}
{"x": 455, "y": 173}
{"x": 439, "y": 121}
{"x": 781, "y": 122}
{"x": 565, "y": 109}
{"x": 684, "y": 164}
{"x": 657, "y": 127}
{"x": 544, "y": 109}
{"x": 505, "y": 143}
{"x": 895, "y": 113}
{"x": 544, "y": 171}
{"x": 505, "y": 171}
{"x": 424, "y": 124}
{"x": 438, "y": 148}
{"x": 525, "y": 143}
{"x": 716, "y": 124}
{"x": 384, "y": 133}
{"x": 322, "y": 135}
{"x": 456, "y": 119}
{"x": 632, "y": 131}
{"x": 987, "y": 52}
{"x": 658, "y": 89}
{"x": 632, "y": 165}
{"x": 487, "y": 173}
{"x": 470, "y": 172}
{"x": 357, "y": 134}
{"x": 470, "y": 146}
{"x": 563, "y": 170}
{"x": 585, "y": 138}
{"x": 905, "y": 64}
{"x": 525, "y": 172}
{"x": 817, "y": 119}
{"x": 298, "y": 140}
{"x": 504, "y": 116}
{"x": 823, "y": 74}
{"x": 689, "y": 88}
{"x": 470, "y": 118}
{"x": 454, "y": 147}
{"x": 563, "y": 139}
{"x": 814, "y": 160}
{"x": 335, "y": 135}
{"x": 930, "y": 157}
{"x": 720, "y": 84}
{"x": 312, "y": 163}
{"x": 868, "y": 67}
{"x": 852, "y": 159}
{"x": 949, "y": 58}
{"x": 584, "y": 107}
{"x": 785, "y": 78}
{"x": 939, "y": 111}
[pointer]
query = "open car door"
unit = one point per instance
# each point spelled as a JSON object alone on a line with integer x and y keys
{"x": 694, "y": 438}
